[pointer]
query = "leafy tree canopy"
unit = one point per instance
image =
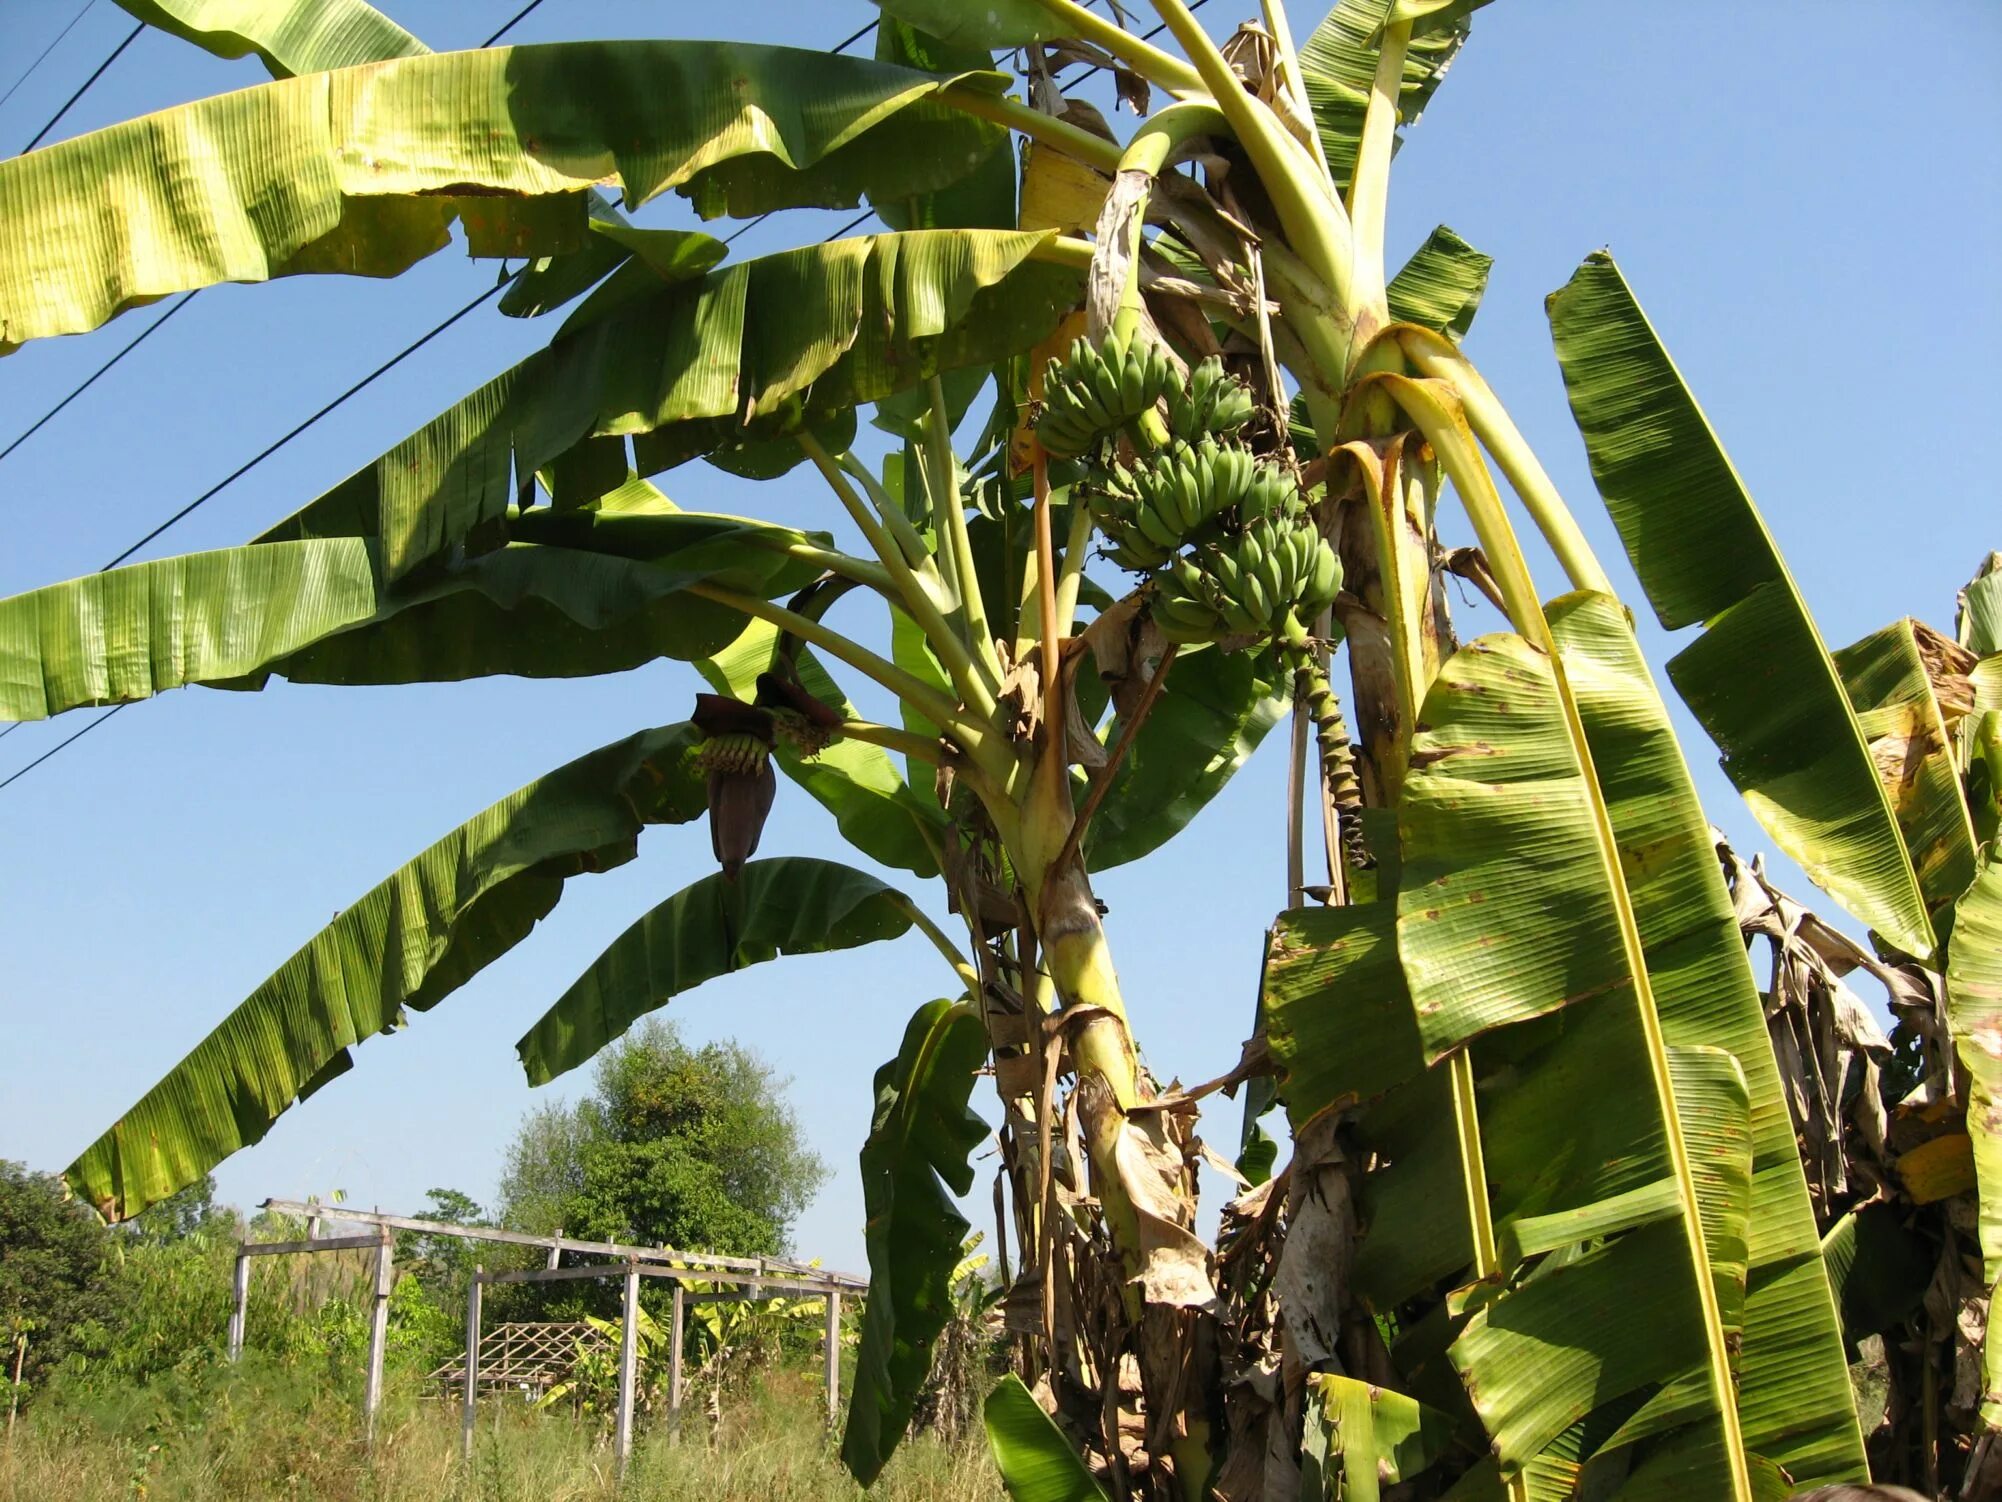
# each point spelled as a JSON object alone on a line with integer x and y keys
{"x": 675, "y": 1145}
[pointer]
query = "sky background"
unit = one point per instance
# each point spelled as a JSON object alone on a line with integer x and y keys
{"x": 1805, "y": 198}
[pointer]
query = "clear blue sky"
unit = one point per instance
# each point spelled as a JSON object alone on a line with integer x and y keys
{"x": 1805, "y": 196}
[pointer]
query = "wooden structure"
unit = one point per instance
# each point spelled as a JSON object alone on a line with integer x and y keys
{"x": 740, "y": 1277}
{"x": 526, "y": 1357}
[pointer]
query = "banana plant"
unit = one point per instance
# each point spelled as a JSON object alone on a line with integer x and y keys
{"x": 1205, "y": 459}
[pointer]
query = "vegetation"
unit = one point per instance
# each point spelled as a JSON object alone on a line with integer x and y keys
{"x": 676, "y": 1146}
{"x": 1143, "y": 487}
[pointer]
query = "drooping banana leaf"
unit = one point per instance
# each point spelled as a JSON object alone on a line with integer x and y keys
{"x": 920, "y": 1144}
{"x": 1508, "y": 912}
{"x": 1000, "y": 23}
{"x": 1978, "y": 621}
{"x": 1337, "y": 1016}
{"x": 402, "y": 947}
{"x": 1974, "y": 1013}
{"x": 1877, "y": 1267}
{"x": 320, "y": 611}
{"x": 983, "y": 198}
{"x": 1759, "y": 678}
{"x": 1360, "y": 1437}
{"x": 1036, "y": 1462}
{"x": 712, "y": 927}
{"x": 361, "y": 171}
{"x": 291, "y": 36}
{"x": 831, "y": 325}
{"x": 1904, "y": 683}
{"x": 878, "y": 812}
{"x": 1338, "y": 63}
{"x": 1210, "y": 716}
{"x": 1440, "y": 287}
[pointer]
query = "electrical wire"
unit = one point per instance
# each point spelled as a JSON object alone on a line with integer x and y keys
{"x": 42, "y": 56}
{"x": 83, "y": 88}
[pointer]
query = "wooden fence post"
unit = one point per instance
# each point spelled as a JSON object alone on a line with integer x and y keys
{"x": 629, "y": 1333}
{"x": 833, "y": 1343}
{"x": 239, "y": 1306}
{"x": 676, "y": 1341}
{"x": 472, "y": 1358}
{"x": 378, "y": 1331}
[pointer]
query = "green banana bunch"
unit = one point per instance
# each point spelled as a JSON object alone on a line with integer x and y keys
{"x": 1094, "y": 392}
{"x": 1214, "y": 403}
{"x": 1149, "y": 509}
{"x": 1248, "y": 585}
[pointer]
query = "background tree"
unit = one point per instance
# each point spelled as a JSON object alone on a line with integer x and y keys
{"x": 52, "y": 1255}
{"x": 675, "y": 1145}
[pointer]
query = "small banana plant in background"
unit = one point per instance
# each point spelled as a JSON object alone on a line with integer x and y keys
{"x": 1206, "y": 459}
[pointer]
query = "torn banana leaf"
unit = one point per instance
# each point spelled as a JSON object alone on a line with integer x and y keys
{"x": 290, "y": 36}
{"x": 1338, "y": 65}
{"x": 715, "y": 926}
{"x": 918, "y": 1156}
{"x": 402, "y": 947}
{"x": 320, "y": 611}
{"x": 1759, "y": 678}
{"x": 363, "y": 170}
{"x": 744, "y": 351}
{"x": 1440, "y": 287}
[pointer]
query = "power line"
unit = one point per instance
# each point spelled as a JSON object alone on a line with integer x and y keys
{"x": 241, "y": 470}
{"x": 83, "y": 88}
{"x": 519, "y": 16}
{"x": 69, "y": 740}
{"x": 186, "y": 297}
{"x": 42, "y": 56}
{"x": 90, "y": 380}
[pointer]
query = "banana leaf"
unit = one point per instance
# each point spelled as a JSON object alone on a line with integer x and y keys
{"x": 1894, "y": 678}
{"x": 715, "y": 926}
{"x": 1208, "y": 719}
{"x": 877, "y": 811}
{"x": 290, "y": 36}
{"x": 402, "y": 947}
{"x": 362, "y": 171}
{"x": 1360, "y": 1437}
{"x": 1877, "y": 1267}
{"x": 1509, "y": 929}
{"x": 802, "y": 335}
{"x": 1338, "y": 64}
{"x": 320, "y": 611}
{"x": 1036, "y": 1462}
{"x": 1978, "y": 622}
{"x": 1974, "y": 1015}
{"x": 917, "y": 1157}
{"x": 1440, "y": 287}
{"x": 1759, "y": 678}
{"x": 997, "y": 23}
{"x": 985, "y": 197}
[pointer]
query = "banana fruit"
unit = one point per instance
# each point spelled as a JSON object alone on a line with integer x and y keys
{"x": 1097, "y": 391}
{"x": 1249, "y": 584}
{"x": 1214, "y": 404}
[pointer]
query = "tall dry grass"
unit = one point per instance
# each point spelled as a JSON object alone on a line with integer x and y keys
{"x": 272, "y": 1431}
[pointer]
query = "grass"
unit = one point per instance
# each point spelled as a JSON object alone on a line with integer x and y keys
{"x": 272, "y": 1431}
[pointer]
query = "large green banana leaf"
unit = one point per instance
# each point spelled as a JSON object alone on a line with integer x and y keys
{"x": 320, "y": 611}
{"x": 1440, "y": 287}
{"x": 791, "y": 905}
{"x": 1499, "y": 846}
{"x": 1338, "y": 64}
{"x": 291, "y": 36}
{"x": 1359, "y": 1438}
{"x": 997, "y": 23}
{"x": 403, "y": 946}
{"x": 1759, "y": 678}
{"x": 1974, "y": 1013}
{"x": 362, "y": 170}
{"x": 1036, "y": 1462}
{"x": 920, "y": 1146}
{"x": 1209, "y": 718}
{"x": 1898, "y": 709}
{"x": 877, "y": 811}
{"x": 1978, "y": 622}
{"x": 985, "y": 197}
{"x": 832, "y": 325}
